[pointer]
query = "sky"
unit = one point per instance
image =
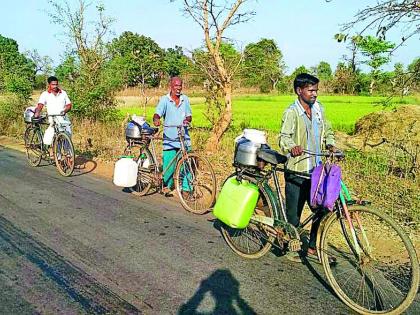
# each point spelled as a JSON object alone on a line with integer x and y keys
{"x": 303, "y": 29}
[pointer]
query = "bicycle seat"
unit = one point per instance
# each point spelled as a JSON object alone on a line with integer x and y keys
{"x": 271, "y": 156}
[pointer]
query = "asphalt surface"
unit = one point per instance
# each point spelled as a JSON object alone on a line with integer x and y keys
{"x": 80, "y": 245}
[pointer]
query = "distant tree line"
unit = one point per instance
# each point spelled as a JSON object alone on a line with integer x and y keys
{"x": 134, "y": 60}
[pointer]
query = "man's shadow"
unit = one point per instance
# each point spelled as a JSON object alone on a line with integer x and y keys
{"x": 224, "y": 289}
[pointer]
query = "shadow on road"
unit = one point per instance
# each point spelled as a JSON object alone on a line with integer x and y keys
{"x": 83, "y": 165}
{"x": 223, "y": 288}
{"x": 93, "y": 296}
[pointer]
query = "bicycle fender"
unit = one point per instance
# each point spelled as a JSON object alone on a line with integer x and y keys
{"x": 321, "y": 230}
{"x": 273, "y": 199}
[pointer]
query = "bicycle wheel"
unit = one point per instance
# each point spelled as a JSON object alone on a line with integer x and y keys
{"x": 384, "y": 277}
{"x": 253, "y": 241}
{"x": 146, "y": 164}
{"x": 195, "y": 183}
{"x": 64, "y": 154}
{"x": 33, "y": 145}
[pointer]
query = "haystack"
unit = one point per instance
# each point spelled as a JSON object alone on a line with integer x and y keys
{"x": 396, "y": 133}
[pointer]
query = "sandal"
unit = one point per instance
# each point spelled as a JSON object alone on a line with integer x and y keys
{"x": 166, "y": 191}
{"x": 293, "y": 257}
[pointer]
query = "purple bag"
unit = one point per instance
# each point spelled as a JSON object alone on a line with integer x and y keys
{"x": 325, "y": 185}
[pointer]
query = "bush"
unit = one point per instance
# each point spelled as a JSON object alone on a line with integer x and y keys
{"x": 11, "y": 115}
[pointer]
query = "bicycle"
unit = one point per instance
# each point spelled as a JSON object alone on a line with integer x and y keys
{"x": 376, "y": 269}
{"x": 62, "y": 146}
{"x": 194, "y": 177}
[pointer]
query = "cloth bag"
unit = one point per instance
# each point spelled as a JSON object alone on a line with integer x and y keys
{"x": 325, "y": 185}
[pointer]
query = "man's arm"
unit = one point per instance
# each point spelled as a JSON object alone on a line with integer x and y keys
{"x": 188, "y": 112}
{"x": 159, "y": 112}
{"x": 41, "y": 103}
{"x": 38, "y": 110}
{"x": 329, "y": 135}
{"x": 67, "y": 108}
{"x": 288, "y": 128}
{"x": 68, "y": 105}
{"x": 329, "y": 138}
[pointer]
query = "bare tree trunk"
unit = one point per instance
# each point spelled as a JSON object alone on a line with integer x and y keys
{"x": 224, "y": 121}
{"x": 372, "y": 83}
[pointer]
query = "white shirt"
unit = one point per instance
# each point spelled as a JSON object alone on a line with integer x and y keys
{"x": 55, "y": 103}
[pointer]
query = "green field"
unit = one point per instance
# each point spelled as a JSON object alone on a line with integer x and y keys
{"x": 265, "y": 111}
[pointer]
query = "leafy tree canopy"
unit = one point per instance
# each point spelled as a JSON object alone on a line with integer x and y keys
{"x": 17, "y": 72}
{"x": 263, "y": 64}
{"x": 140, "y": 57}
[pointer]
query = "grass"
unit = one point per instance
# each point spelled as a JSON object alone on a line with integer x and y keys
{"x": 265, "y": 111}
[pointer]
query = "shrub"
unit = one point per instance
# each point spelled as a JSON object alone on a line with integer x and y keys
{"x": 11, "y": 115}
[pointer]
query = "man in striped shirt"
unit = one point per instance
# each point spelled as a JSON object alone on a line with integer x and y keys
{"x": 303, "y": 128}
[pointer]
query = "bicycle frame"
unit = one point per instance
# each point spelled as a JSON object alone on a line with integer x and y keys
{"x": 280, "y": 218}
{"x": 181, "y": 153}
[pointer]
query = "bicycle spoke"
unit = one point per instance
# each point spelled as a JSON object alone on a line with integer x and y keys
{"x": 195, "y": 183}
{"x": 373, "y": 281}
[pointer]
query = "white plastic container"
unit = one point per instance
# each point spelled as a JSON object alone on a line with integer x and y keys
{"x": 29, "y": 113}
{"x": 255, "y": 136}
{"x": 48, "y": 135}
{"x": 138, "y": 119}
{"x": 125, "y": 172}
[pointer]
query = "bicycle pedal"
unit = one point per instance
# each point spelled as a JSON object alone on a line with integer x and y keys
{"x": 295, "y": 245}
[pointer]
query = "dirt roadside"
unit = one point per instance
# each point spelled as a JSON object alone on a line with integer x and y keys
{"x": 83, "y": 166}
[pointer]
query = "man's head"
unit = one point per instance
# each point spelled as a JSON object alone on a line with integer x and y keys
{"x": 306, "y": 87}
{"x": 176, "y": 86}
{"x": 52, "y": 83}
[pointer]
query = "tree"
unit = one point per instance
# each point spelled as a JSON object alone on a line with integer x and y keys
{"x": 214, "y": 17}
{"x": 141, "y": 58}
{"x": 404, "y": 81}
{"x": 376, "y": 50}
{"x": 17, "y": 72}
{"x": 345, "y": 79}
{"x": 175, "y": 61}
{"x": 263, "y": 64}
{"x": 323, "y": 71}
{"x": 386, "y": 15}
{"x": 43, "y": 67}
{"x": 68, "y": 70}
{"x": 203, "y": 60}
{"x": 93, "y": 87}
{"x": 414, "y": 73}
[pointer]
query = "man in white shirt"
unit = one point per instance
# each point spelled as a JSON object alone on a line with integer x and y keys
{"x": 57, "y": 103}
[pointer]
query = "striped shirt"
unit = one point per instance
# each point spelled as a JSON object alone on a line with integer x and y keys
{"x": 311, "y": 134}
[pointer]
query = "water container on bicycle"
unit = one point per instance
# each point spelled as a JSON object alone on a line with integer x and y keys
{"x": 236, "y": 203}
{"x": 48, "y": 135}
{"x": 125, "y": 172}
{"x": 29, "y": 113}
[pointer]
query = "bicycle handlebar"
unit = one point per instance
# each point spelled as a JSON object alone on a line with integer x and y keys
{"x": 325, "y": 153}
{"x": 57, "y": 115}
{"x": 177, "y": 126}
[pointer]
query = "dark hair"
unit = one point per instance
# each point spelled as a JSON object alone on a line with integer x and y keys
{"x": 51, "y": 79}
{"x": 304, "y": 79}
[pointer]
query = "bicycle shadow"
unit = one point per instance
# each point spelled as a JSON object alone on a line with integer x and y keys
{"x": 83, "y": 165}
{"x": 223, "y": 288}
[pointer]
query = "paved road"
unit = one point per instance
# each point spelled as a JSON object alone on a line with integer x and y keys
{"x": 80, "y": 245}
